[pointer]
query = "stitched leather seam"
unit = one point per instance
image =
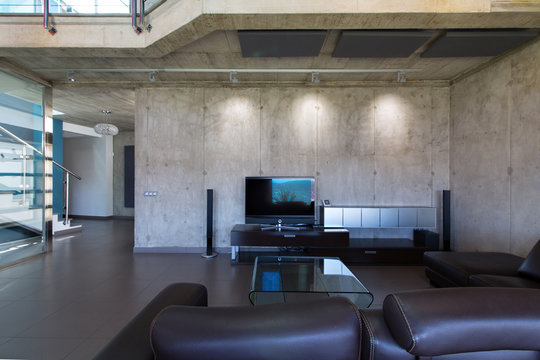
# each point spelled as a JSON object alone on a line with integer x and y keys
{"x": 406, "y": 321}
{"x": 152, "y": 324}
{"x": 371, "y": 336}
{"x": 358, "y": 317}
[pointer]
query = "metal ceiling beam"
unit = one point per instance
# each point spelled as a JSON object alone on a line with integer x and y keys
{"x": 192, "y": 70}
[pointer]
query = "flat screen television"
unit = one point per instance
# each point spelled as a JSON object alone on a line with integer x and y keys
{"x": 289, "y": 199}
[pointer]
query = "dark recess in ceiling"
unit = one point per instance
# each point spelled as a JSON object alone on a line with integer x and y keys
{"x": 380, "y": 44}
{"x": 288, "y": 43}
{"x": 477, "y": 43}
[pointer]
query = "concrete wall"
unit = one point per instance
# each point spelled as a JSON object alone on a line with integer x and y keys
{"x": 91, "y": 159}
{"x": 124, "y": 138}
{"x": 367, "y": 146}
{"x": 495, "y": 156}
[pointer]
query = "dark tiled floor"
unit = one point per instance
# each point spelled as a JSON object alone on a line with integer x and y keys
{"x": 69, "y": 303}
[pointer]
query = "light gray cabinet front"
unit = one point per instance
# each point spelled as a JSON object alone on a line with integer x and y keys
{"x": 389, "y": 217}
{"x": 333, "y": 217}
{"x": 374, "y": 217}
{"x": 352, "y": 217}
{"x": 407, "y": 217}
{"x": 371, "y": 218}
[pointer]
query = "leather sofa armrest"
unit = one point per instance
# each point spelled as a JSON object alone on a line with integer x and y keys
{"x": 377, "y": 341}
{"x": 458, "y": 320}
{"x": 530, "y": 268}
{"x": 133, "y": 341}
{"x": 322, "y": 329}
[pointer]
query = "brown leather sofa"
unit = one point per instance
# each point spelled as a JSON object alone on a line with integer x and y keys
{"x": 448, "y": 269}
{"x": 454, "y": 324}
{"x": 133, "y": 341}
{"x": 442, "y": 324}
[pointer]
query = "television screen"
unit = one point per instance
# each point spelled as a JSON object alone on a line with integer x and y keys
{"x": 269, "y": 199}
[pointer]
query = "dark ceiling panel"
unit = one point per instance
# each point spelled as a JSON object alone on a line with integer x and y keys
{"x": 380, "y": 44}
{"x": 288, "y": 43}
{"x": 477, "y": 43}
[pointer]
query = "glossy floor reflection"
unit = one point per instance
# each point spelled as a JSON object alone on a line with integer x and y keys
{"x": 67, "y": 304}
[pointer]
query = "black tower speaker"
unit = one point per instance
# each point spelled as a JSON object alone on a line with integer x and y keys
{"x": 209, "y": 224}
{"x": 446, "y": 220}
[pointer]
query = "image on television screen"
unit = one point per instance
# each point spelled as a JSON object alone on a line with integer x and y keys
{"x": 287, "y": 190}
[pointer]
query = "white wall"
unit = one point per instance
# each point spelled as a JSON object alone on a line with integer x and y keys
{"x": 92, "y": 159}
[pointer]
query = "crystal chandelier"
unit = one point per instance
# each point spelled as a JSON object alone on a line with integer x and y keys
{"x": 106, "y": 128}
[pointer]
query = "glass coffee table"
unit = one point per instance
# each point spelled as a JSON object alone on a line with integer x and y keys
{"x": 281, "y": 279}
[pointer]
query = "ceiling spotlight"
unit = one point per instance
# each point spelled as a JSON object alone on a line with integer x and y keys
{"x": 315, "y": 77}
{"x": 153, "y": 76}
{"x": 401, "y": 77}
{"x": 71, "y": 76}
{"x": 233, "y": 76}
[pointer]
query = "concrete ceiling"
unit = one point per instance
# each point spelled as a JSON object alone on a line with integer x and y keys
{"x": 210, "y": 41}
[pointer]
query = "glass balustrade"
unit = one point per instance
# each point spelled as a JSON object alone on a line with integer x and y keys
{"x": 21, "y": 170}
{"x": 68, "y": 7}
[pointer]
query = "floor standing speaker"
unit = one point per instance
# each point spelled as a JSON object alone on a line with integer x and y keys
{"x": 209, "y": 224}
{"x": 446, "y": 220}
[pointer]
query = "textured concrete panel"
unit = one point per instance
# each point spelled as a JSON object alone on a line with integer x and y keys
{"x": 403, "y": 122}
{"x": 169, "y": 160}
{"x": 495, "y": 156}
{"x": 525, "y": 150}
{"x": 231, "y": 123}
{"x": 345, "y": 150}
{"x": 479, "y": 161}
{"x": 124, "y": 138}
{"x": 188, "y": 140}
{"x": 440, "y": 148}
{"x": 288, "y": 132}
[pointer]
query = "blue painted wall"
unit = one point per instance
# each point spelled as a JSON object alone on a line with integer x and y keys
{"x": 58, "y": 156}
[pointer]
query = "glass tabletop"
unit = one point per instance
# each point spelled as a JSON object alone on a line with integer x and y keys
{"x": 280, "y": 279}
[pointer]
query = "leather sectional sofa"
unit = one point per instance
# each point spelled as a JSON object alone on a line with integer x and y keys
{"x": 442, "y": 324}
{"x": 448, "y": 269}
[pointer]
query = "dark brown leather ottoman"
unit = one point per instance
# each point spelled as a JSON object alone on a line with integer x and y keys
{"x": 447, "y": 269}
{"x": 503, "y": 281}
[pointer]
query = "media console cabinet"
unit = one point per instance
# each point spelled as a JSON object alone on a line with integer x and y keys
{"x": 330, "y": 242}
{"x": 243, "y": 235}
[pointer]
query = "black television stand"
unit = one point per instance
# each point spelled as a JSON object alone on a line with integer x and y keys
{"x": 253, "y": 235}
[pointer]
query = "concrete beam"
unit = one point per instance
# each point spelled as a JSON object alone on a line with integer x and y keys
{"x": 178, "y": 23}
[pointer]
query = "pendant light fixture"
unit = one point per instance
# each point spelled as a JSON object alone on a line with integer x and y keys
{"x": 106, "y": 128}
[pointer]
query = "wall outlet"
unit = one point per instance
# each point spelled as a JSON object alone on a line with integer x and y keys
{"x": 150, "y": 194}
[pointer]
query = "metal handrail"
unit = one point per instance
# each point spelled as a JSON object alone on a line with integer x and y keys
{"x": 3, "y": 129}
{"x": 66, "y": 181}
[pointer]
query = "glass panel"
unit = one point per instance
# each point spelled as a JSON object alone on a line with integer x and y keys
{"x": 21, "y": 169}
{"x": 287, "y": 278}
{"x": 150, "y": 5}
{"x": 21, "y": 6}
{"x": 89, "y": 7}
{"x": 66, "y": 7}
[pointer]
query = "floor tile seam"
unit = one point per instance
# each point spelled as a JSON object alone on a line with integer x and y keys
{"x": 48, "y": 337}
{"x": 76, "y": 348}
{"x": 40, "y": 320}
